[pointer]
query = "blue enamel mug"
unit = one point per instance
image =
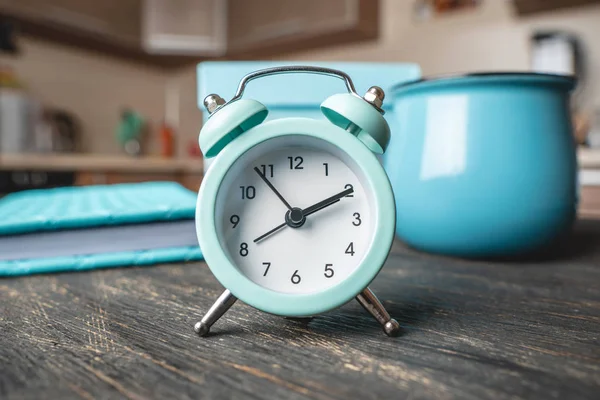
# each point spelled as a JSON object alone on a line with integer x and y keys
{"x": 483, "y": 165}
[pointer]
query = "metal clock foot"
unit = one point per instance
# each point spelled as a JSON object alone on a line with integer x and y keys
{"x": 371, "y": 303}
{"x": 223, "y": 303}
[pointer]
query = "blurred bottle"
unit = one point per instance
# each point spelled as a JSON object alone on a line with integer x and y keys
{"x": 167, "y": 146}
{"x": 129, "y": 132}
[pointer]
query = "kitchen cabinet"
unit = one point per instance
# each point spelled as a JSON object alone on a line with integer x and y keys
{"x": 108, "y": 26}
{"x": 528, "y": 7}
{"x": 173, "y": 33}
{"x": 267, "y": 26}
{"x": 184, "y": 27}
{"x": 115, "y": 20}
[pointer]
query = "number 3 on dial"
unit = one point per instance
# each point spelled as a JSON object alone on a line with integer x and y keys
{"x": 357, "y": 221}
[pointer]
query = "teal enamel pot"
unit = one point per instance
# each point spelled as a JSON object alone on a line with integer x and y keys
{"x": 483, "y": 165}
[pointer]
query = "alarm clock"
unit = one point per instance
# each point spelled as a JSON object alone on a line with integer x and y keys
{"x": 296, "y": 216}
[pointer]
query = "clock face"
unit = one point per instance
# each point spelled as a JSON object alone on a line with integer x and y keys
{"x": 295, "y": 215}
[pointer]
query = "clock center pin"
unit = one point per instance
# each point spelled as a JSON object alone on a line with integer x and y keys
{"x": 295, "y": 217}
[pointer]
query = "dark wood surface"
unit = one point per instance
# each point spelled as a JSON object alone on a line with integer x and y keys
{"x": 471, "y": 330}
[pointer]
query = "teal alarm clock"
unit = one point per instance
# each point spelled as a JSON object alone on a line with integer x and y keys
{"x": 296, "y": 216}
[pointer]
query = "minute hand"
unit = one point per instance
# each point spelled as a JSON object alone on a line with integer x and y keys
{"x": 270, "y": 185}
{"x": 327, "y": 202}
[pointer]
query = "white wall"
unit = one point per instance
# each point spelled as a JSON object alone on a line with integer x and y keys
{"x": 91, "y": 86}
{"x": 491, "y": 38}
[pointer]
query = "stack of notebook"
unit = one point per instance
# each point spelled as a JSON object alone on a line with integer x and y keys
{"x": 80, "y": 228}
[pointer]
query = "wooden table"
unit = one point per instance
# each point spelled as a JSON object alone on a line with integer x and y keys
{"x": 471, "y": 330}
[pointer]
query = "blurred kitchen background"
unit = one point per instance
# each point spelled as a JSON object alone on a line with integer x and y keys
{"x": 105, "y": 91}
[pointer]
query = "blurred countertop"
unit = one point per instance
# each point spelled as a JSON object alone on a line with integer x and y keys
{"x": 99, "y": 162}
{"x": 588, "y": 159}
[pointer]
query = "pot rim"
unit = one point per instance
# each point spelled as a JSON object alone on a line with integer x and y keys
{"x": 456, "y": 78}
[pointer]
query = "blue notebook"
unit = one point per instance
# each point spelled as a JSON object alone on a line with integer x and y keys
{"x": 88, "y": 227}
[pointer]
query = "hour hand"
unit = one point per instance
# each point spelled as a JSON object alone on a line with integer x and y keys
{"x": 270, "y": 185}
{"x": 327, "y": 202}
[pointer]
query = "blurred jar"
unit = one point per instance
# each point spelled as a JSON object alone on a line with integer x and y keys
{"x": 14, "y": 122}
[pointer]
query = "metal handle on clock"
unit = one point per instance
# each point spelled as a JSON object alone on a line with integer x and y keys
{"x": 294, "y": 69}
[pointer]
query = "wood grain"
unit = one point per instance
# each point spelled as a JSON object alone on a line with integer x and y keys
{"x": 472, "y": 329}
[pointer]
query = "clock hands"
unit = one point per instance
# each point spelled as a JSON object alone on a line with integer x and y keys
{"x": 327, "y": 202}
{"x": 264, "y": 178}
{"x": 261, "y": 237}
{"x": 295, "y": 217}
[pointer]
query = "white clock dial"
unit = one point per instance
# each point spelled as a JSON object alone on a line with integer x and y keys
{"x": 330, "y": 243}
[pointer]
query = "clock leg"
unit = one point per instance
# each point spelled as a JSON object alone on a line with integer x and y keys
{"x": 223, "y": 303}
{"x": 371, "y": 303}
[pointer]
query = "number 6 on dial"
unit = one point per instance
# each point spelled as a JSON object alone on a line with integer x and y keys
{"x": 284, "y": 191}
